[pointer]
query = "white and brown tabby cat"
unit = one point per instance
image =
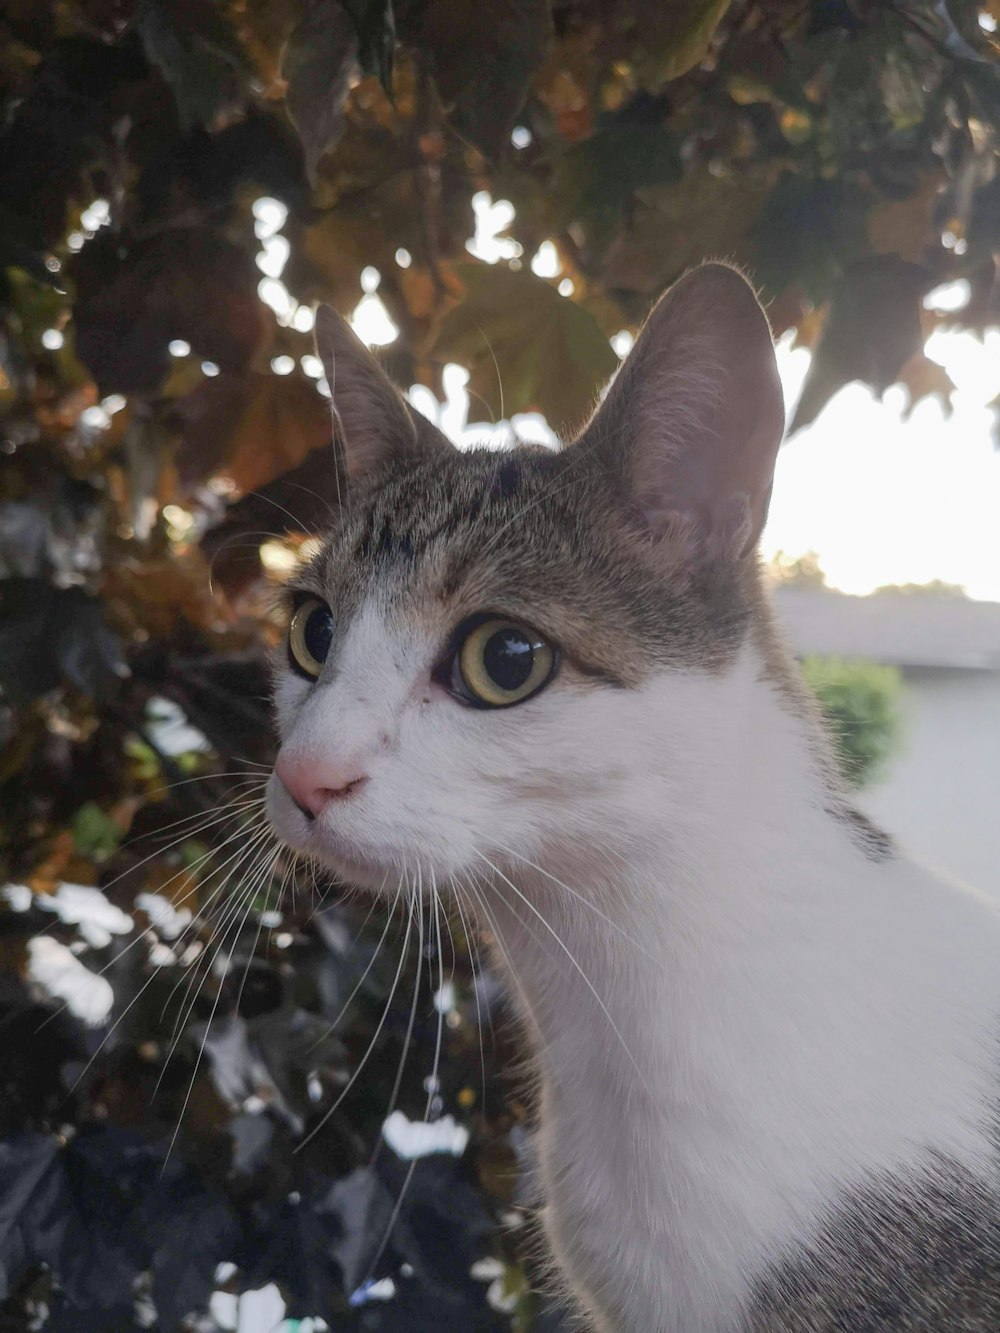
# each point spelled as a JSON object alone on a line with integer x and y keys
{"x": 549, "y": 682}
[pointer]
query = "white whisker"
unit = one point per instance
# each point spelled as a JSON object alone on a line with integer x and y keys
{"x": 583, "y": 976}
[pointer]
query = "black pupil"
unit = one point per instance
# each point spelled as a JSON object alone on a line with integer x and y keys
{"x": 508, "y": 658}
{"x": 317, "y": 632}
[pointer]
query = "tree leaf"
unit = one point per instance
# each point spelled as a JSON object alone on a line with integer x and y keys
{"x": 677, "y": 36}
{"x": 871, "y": 332}
{"x": 924, "y": 378}
{"x": 375, "y": 25}
{"x": 197, "y": 52}
{"x": 304, "y": 497}
{"x": 598, "y": 177}
{"x": 318, "y": 63}
{"x": 906, "y": 227}
{"x": 806, "y": 232}
{"x": 51, "y": 636}
{"x": 526, "y": 347}
{"x": 860, "y": 702}
{"x": 251, "y": 428}
{"x": 484, "y": 56}
{"x": 188, "y": 283}
{"x": 159, "y": 597}
{"x": 675, "y": 227}
{"x": 19, "y": 248}
{"x": 95, "y": 833}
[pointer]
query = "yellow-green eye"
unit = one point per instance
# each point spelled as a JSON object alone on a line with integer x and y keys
{"x": 309, "y": 637}
{"x": 500, "y": 663}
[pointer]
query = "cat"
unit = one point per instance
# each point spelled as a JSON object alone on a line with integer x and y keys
{"x": 549, "y": 682}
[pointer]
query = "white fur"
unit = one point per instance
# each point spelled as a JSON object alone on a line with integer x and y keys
{"x": 793, "y": 1017}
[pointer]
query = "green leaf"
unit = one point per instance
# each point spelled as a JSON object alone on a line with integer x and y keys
{"x": 318, "y": 63}
{"x": 145, "y": 765}
{"x": 526, "y": 347}
{"x": 95, "y": 834}
{"x": 598, "y": 177}
{"x": 859, "y": 701}
{"x": 676, "y": 36}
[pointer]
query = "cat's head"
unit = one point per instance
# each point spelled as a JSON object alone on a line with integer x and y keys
{"x": 474, "y": 654}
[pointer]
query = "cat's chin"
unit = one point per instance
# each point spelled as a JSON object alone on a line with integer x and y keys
{"x": 363, "y": 874}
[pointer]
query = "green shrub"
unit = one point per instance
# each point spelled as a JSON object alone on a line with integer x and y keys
{"x": 860, "y": 701}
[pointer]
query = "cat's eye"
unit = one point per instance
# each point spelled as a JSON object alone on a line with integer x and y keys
{"x": 499, "y": 663}
{"x": 309, "y": 637}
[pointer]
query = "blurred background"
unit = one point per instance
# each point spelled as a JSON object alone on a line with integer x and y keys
{"x": 235, "y": 1099}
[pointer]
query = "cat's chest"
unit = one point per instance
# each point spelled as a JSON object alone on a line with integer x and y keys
{"x": 688, "y": 1150}
{"x": 703, "y": 1236}
{"x": 640, "y": 1242}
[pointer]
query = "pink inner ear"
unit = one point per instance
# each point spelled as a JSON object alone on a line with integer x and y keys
{"x": 719, "y": 471}
{"x": 696, "y": 415}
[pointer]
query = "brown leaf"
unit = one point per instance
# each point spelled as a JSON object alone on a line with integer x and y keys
{"x": 302, "y": 499}
{"x": 924, "y": 378}
{"x": 188, "y": 283}
{"x": 871, "y": 332}
{"x": 251, "y": 428}
{"x": 419, "y": 291}
{"x": 809, "y": 329}
{"x": 14, "y": 955}
{"x": 263, "y": 28}
{"x": 906, "y": 227}
{"x": 789, "y": 310}
{"x": 332, "y": 254}
{"x": 156, "y": 596}
{"x": 569, "y": 104}
{"x": 55, "y": 867}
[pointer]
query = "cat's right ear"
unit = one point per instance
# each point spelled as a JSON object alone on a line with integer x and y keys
{"x": 374, "y": 423}
{"x": 690, "y": 428}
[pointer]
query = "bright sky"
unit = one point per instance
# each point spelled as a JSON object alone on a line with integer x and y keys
{"x": 880, "y": 500}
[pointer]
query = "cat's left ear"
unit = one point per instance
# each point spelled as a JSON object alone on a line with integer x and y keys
{"x": 375, "y": 422}
{"x": 691, "y": 426}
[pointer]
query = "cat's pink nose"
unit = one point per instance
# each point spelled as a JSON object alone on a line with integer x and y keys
{"x": 313, "y": 783}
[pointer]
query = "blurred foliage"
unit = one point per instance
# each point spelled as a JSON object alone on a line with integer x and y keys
{"x": 801, "y": 570}
{"x": 860, "y": 701}
{"x": 933, "y": 588}
{"x": 165, "y": 458}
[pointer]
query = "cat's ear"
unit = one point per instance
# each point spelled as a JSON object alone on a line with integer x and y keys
{"x": 375, "y": 424}
{"x": 692, "y": 423}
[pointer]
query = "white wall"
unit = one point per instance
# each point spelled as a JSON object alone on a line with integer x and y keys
{"x": 940, "y": 797}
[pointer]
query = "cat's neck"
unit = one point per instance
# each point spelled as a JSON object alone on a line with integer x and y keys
{"x": 701, "y": 974}
{"x": 726, "y": 853}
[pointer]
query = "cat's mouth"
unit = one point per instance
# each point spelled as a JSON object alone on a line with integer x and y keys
{"x": 365, "y": 866}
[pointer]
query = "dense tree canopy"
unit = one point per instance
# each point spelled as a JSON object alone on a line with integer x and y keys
{"x": 180, "y": 182}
